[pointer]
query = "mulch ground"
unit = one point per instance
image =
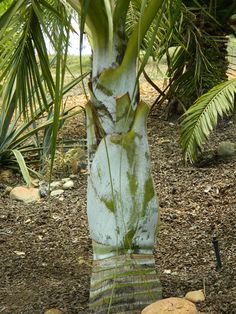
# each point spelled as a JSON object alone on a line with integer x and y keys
{"x": 45, "y": 259}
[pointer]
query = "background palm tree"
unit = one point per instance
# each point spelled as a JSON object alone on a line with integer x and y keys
{"x": 202, "y": 117}
{"x": 200, "y": 62}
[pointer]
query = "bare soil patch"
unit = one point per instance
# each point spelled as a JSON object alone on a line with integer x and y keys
{"x": 46, "y": 250}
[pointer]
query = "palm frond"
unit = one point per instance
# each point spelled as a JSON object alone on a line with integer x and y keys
{"x": 18, "y": 135}
{"x": 30, "y": 89}
{"x": 201, "y": 118}
{"x": 24, "y": 62}
{"x": 22, "y": 165}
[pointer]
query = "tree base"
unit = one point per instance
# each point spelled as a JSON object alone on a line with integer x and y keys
{"x": 124, "y": 284}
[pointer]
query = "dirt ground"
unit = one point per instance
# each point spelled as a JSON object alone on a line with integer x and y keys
{"x": 45, "y": 258}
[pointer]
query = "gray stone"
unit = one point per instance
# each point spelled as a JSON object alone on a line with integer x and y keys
{"x": 43, "y": 189}
{"x": 25, "y": 194}
{"x": 226, "y": 149}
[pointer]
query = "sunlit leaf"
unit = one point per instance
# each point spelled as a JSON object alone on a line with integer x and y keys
{"x": 22, "y": 165}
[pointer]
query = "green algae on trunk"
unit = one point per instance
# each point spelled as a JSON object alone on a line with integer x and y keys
{"x": 123, "y": 217}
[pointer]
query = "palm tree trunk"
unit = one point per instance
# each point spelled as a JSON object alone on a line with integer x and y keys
{"x": 121, "y": 203}
{"x": 123, "y": 215}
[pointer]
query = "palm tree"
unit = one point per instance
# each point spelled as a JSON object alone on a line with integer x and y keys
{"x": 201, "y": 62}
{"x": 202, "y": 117}
{"x": 121, "y": 202}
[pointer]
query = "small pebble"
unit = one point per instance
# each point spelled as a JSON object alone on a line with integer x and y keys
{"x": 55, "y": 184}
{"x": 43, "y": 189}
{"x": 167, "y": 271}
{"x": 57, "y": 192}
{"x": 73, "y": 176}
{"x": 195, "y": 296}
{"x": 68, "y": 185}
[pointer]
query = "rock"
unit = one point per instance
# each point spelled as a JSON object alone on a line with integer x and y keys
{"x": 167, "y": 271}
{"x": 43, "y": 189}
{"x": 226, "y": 149}
{"x": 171, "y": 306}
{"x": 68, "y": 185}
{"x": 19, "y": 253}
{"x": 73, "y": 176}
{"x": 55, "y": 184}
{"x": 207, "y": 189}
{"x": 25, "y": 194}
{"x": 53, "y": 311}
{"x": 61, "y": 199}
{"x": 57, "y": 192}
{"x": 195, "y": 296}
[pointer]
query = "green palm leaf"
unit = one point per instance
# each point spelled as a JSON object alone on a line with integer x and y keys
{"x": 201, "y": 118}
{"x": 22, "y": 165}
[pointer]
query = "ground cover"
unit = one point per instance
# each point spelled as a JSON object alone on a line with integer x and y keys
{"x": 46, "y": 250}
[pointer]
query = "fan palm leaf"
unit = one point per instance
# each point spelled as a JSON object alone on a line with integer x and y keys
{"x": 30, "y": 89}
{"x": 201, "y": 118}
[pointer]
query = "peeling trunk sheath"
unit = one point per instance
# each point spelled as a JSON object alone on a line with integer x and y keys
{"x": 123, "y": 217}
